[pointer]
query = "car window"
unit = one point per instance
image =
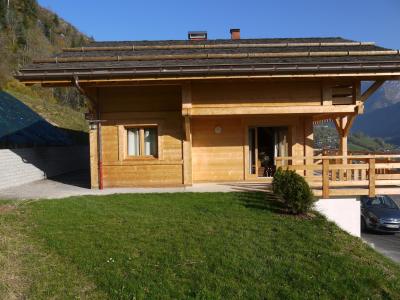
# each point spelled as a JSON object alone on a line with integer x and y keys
{"x": 382, "y": 202}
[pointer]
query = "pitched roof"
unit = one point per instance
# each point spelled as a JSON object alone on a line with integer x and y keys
{"x": 178, "y": 58}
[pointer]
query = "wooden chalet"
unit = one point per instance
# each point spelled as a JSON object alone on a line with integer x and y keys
{"x": 171, "y": 113}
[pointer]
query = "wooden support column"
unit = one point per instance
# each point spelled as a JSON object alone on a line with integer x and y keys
{"x": 93, "y": 148}
{"x": 371, "y": 186}
{"x": 187, "y": 153}
{"x": 187, "y": 134}
{"x": 343, "y": 125}
{"x": 308, "y": 143}
{"x": 297, "y": 139}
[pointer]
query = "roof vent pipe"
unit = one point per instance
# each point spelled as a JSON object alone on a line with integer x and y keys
{"x": 197, "y": 35}
{"x": 235, "y": 34}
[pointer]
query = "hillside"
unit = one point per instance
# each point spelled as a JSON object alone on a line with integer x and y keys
{"x": 326, "y": 137}
{"x": 383, "y": 123}
{"x": 386, "y": 96}
{"x": 27, "y": 32}
{"x": 381, "y": 117}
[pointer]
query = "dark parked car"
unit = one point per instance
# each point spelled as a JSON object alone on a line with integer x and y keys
{"x": 380, "y": 213}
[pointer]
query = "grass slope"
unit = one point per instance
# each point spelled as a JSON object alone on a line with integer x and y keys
{"x": 43, "y": 103}
{"x": 187, "y": 245}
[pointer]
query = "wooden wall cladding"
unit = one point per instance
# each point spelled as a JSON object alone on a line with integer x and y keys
{"x": 124, "y": 107}
{"x": 140, "y": 98}
{"x": 217, "y": 157}
{"x": 219, "y": 94}
{"x": 151, "y": 175}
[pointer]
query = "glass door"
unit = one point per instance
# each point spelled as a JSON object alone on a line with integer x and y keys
{"x": 252, "y": 151}
{"x": 265, "y": 143}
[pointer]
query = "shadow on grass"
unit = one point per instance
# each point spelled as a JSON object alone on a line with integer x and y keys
{"x": 264, "y": 201}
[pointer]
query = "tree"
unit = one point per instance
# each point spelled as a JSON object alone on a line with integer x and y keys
{"x": 21, "y": 35}
{"x": 56, "y": 21}
{"x": 29, "y": 9}
{"x": 3, "y": 13}
{"x": 47, "y": 29}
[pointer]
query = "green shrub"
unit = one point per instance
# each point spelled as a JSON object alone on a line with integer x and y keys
{"x": 294, "y": 190}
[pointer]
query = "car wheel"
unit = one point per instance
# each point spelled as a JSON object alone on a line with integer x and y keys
{"x": 363, "y": 225}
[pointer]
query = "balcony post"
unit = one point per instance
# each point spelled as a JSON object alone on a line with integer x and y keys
{"x": 325, "y": 178}
{"x": 371, "y": 175}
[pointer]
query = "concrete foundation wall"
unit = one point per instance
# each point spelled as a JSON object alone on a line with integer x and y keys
{"x": 19, "y": 166}
{"x": 345, "y": 212}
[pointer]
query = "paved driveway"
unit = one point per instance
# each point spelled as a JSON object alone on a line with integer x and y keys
{"x": 385, "y": 243}
{"x": 77, "y": 184}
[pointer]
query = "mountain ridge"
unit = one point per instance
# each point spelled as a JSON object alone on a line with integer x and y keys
{"x": 382, "y": 112}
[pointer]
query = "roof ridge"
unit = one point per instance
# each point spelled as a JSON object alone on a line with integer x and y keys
{"x": 227, "y": 40}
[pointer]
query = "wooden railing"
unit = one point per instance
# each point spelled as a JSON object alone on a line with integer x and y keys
{"x": 347, "y": 175}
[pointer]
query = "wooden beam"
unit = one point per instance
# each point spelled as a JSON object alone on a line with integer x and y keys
{"x": 343, "y": 124}
{"x": 261, "y": 110}
{"x": 186, "y": 99}
{"x": 376, "y": 85}
{"x": 363, "y": 75}
{"x": 322, "y": 117}
{"x": 187, "y": 153}
{"x": 338, "y": 125}
{"x": 349, "y": 122}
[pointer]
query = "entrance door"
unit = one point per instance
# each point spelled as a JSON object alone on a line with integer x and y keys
{"x": 265, "y": 143}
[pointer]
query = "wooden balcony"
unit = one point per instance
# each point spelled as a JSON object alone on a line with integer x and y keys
{"x": 352, "y": 175}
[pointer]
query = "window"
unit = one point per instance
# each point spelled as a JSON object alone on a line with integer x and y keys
{"x": 142, "y": 141}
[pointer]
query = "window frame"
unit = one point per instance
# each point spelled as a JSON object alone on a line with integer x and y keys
{"x": 123, "y": 142}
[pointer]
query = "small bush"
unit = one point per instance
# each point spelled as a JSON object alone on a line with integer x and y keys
{"x": 294, "y": 190}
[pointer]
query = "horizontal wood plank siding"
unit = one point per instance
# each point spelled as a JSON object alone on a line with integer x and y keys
{"x": 143, "y": 175}
{"x": 217, "y": 157}
{"x": 140, "y": 98}
{"x": 217, "y": 94}
{"x": 122, "y": 107}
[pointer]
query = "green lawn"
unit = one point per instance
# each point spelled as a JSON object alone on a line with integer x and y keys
{"x": 186, "y": 245}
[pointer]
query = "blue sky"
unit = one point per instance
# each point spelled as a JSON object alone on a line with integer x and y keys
{"x": 363, "y": 20}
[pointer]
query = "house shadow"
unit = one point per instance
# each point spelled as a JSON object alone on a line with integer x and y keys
{"x": 262, "y": 201}
{"x": 78, "y": 178}
{"x": 21, "y": 127}
{"x": 38, "y": 142}
{"x": 258, "y": 195}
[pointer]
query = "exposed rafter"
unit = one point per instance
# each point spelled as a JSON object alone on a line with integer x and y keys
{"x": 372, "y": 89}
